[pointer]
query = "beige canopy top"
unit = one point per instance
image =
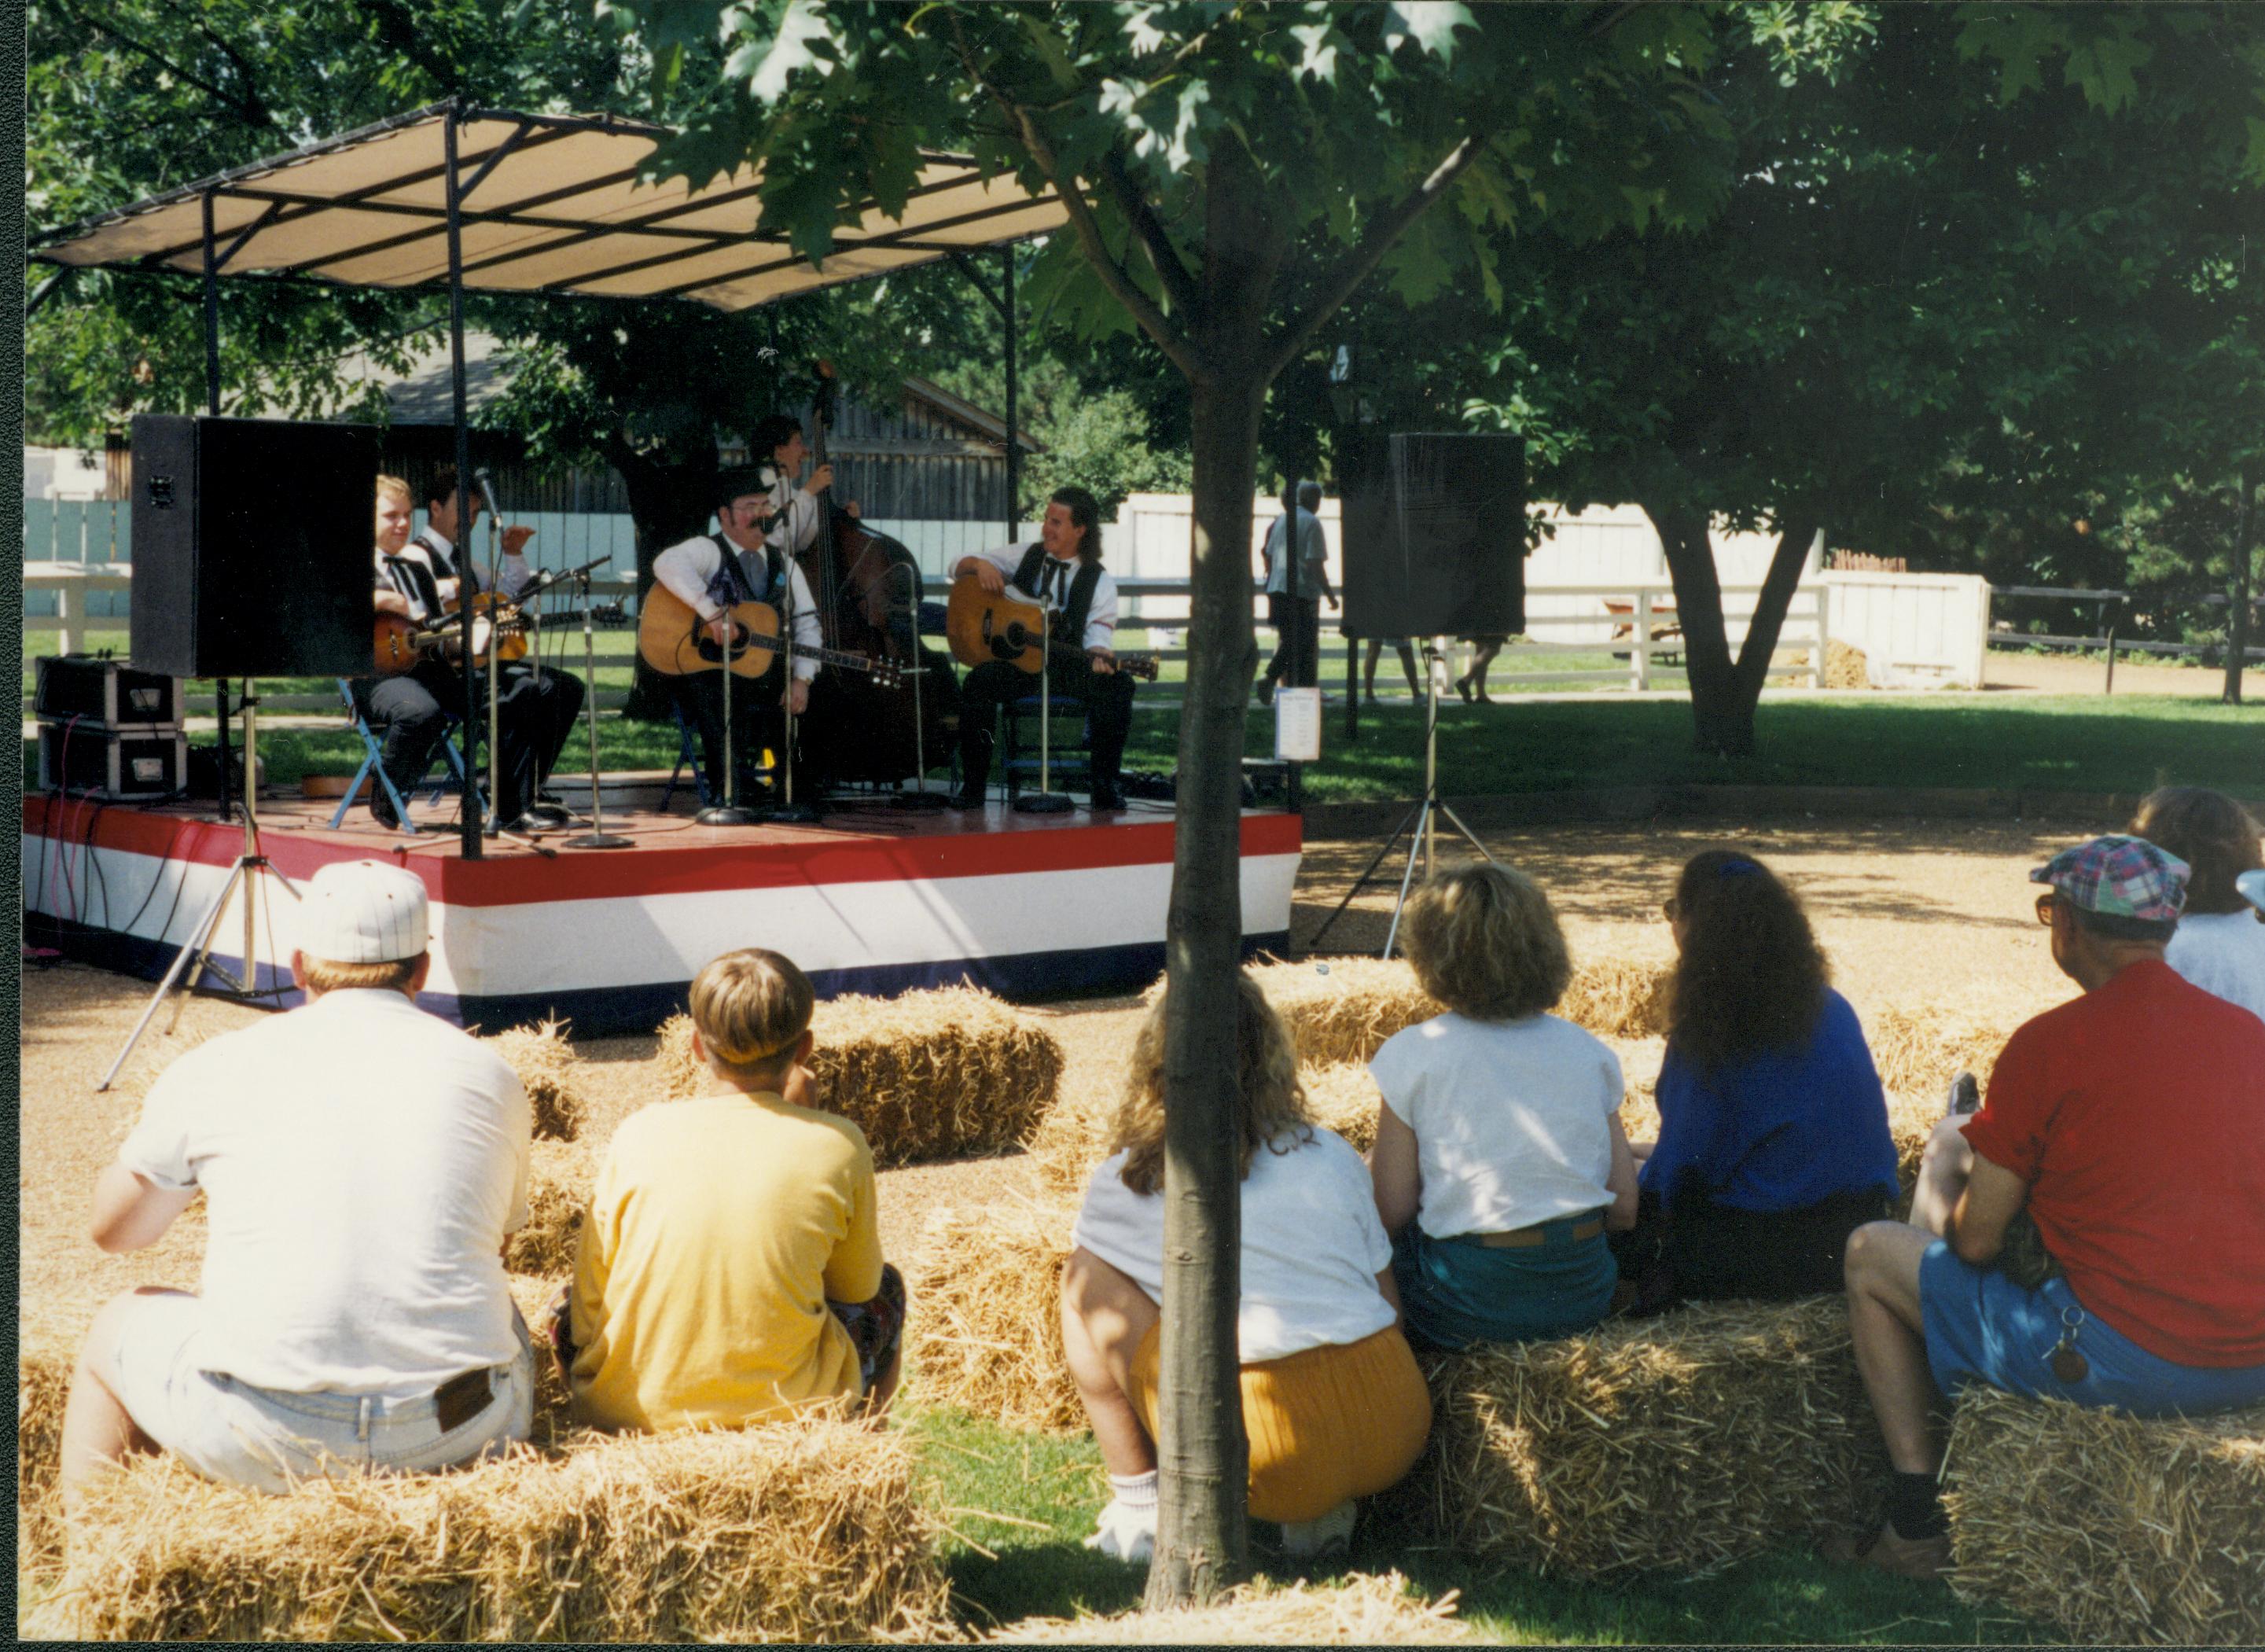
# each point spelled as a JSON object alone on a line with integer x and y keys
{"x": 547, "y": 204}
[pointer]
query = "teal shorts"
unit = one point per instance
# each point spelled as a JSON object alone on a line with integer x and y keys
{"x": 1456, "y": 1292}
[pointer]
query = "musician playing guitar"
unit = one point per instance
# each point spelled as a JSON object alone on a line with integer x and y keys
{"x": 558, "y": 694}
{"x": 712, "y": 572}
{"x": 1063, "y": 571}
{"x": 408, "y": 712}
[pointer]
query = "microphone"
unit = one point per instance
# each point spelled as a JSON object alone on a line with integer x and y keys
{"x": 487, "y": 491}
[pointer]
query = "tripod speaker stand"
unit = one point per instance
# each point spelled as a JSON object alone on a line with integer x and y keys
{"x": 1424, "y": 817}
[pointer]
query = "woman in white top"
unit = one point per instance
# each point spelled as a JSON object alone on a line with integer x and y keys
{"x": 2220, "y": 942}
{"x": 1499, "y": 1160}
{"x": 1332, "y": 1402}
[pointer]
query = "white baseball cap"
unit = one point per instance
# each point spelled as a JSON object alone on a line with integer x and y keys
{"x": 2251, "y": 887}
{"x": 363, "y": 912}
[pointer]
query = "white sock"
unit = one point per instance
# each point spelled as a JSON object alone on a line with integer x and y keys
{"x": 1134, "y": 1491}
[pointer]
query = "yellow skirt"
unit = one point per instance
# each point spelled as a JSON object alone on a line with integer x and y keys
{"x": 1341, "y": 1421}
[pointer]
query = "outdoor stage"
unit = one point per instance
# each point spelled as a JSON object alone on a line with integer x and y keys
{"x": 872, "y": 900}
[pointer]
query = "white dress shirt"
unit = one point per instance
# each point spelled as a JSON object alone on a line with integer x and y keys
{"x": 1100, "y": 619}
{"x": 513, "y": 577}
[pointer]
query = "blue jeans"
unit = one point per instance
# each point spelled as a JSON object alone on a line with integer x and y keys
{"x": 1456, "y": 1292}
{"x": 1982, "y": 1326}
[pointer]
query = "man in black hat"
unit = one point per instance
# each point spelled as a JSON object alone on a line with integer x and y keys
{"x": 714, "y": 572}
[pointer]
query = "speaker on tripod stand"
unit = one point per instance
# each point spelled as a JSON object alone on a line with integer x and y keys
{"x": 1434, "y": 548}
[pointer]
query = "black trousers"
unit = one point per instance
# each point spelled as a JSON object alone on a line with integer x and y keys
{"x": 1693, "y": 1249}
{"x": 758, "y": 721}
{"x": 534, "y": 718}
{"x": 1297, "y": 622}
{"x": 1107, "y": 698}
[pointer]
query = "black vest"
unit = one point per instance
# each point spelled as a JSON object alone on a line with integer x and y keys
{"x": 1069, "y": 617}
{"x": 730, "y": 585}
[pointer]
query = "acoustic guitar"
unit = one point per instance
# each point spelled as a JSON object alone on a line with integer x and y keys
{"x": 674, "y": 640}
{"x": 983, "y": 628}
{"x": 500, "y": 630}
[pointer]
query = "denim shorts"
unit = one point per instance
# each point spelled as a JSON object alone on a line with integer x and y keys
{"x": 1982, "y": 1326}
{"x": 268, "y": 1440}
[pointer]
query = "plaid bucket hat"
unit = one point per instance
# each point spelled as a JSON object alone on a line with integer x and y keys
{"x": 2119, "y": 877}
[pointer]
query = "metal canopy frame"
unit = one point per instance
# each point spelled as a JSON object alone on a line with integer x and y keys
{"x": 275, "y": 211}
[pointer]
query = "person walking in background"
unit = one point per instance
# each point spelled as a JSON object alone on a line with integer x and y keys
{"x": 2219, "y": 944}
{"x": 1296, "y": 616}
{"x": 1499, "y": 1158}
{"x": 1400, "y": 644}
{"x": 1774, "y": 1139}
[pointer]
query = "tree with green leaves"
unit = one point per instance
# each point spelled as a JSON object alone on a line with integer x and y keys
{"x": 1232, "y": 174}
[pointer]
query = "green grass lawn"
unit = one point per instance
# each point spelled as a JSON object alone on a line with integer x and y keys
{"x": 1019, "y": 1505}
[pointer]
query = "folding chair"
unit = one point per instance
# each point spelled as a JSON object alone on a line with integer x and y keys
{"x": 1070, "y": 760}
{"x": 688, "y": 756}
{"x": 455, "y": 779}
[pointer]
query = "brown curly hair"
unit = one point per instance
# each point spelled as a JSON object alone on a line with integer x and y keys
{"x": 1485, "y": 942}
{"x": 2209, "y": 831}
{"x": 1270, "y": 1101}
{"x": 1752, "y": 978}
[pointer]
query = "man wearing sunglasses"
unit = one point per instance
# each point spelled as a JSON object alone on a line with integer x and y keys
{"x": 2129, "y": 1123}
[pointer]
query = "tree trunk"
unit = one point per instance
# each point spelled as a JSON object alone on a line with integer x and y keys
{"x": 2237, "y": 624}
{"x": 1202, "y": 1532}
{"x": 1724, "y": 692}
{"x": 668, "y": 503}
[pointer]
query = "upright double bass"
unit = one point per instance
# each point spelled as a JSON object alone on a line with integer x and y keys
{"x": 868, "y": 590}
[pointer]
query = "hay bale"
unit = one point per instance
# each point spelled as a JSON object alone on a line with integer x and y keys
{"x": 937, "y": 1074}
{"x": 1357, "y": 1609}
{"x": 985, "y": 1315}
{"x": 1676, "y": 1445}
{"x": 42, "y": 1383}
{"x": 1919, "y": 1051}
{"x": 1344, "y": 1098}
{"x": 1340, "y": 1009}
{"x": 1845, "y": 667}
{"x": 560, "y": 1176}
{"x": 1621, "y": 998}
{"x": 546, "y": 1064}
{"x": 803, "y": 1530}
{"x": 2113, "y": 1528}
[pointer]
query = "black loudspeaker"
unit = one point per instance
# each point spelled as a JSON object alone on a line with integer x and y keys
{"x": 1434, "y": 534}
{"x": 251, "y": 546}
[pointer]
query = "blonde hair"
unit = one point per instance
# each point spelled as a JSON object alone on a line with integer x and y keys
{"x": 1268, "y": 1099}
{"x": 749, "y": 1007}
{"x": 326, "y": 975}
{"x": 1485, "y": 943}
{"x": 395, "y": 488}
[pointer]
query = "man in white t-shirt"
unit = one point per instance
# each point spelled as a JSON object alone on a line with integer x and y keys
{"x": 362, "y": 1163}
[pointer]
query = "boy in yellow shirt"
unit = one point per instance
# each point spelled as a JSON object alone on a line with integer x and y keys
{"x": 730, "y": 1267}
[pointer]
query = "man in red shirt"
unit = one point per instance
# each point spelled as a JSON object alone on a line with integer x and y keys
{"x": 2130, "y": 1124}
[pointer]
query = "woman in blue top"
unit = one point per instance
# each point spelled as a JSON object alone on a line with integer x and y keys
{"x": 1773, "y": 1142}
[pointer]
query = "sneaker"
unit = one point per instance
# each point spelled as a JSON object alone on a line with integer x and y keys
{"x": 1324, "y": 1539}
{"x": 1125, "y": 1534}
{"x": 1887, "y": 1550}
{"x": 1965, "y": 1096}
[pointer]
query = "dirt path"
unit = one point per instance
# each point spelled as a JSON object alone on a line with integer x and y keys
{"x": 1913, "y": 913}
{"x": 2062, "y": 673}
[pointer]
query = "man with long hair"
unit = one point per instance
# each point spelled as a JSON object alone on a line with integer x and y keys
{"x": 1063, "y": 573}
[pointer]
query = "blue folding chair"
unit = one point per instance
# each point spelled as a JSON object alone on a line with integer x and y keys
{"x": 455, "y": 779}
{"x": 688, "y": 756}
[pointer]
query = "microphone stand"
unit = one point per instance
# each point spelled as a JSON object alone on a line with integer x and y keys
{"x": 728, "y": 813}
{"x": 494, "y": 822}
{"x": 597, "y": 837}
{"x": 920, "y": 799}
{"x": 1045, "y": 800}
{"x": 787, "y": 811}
